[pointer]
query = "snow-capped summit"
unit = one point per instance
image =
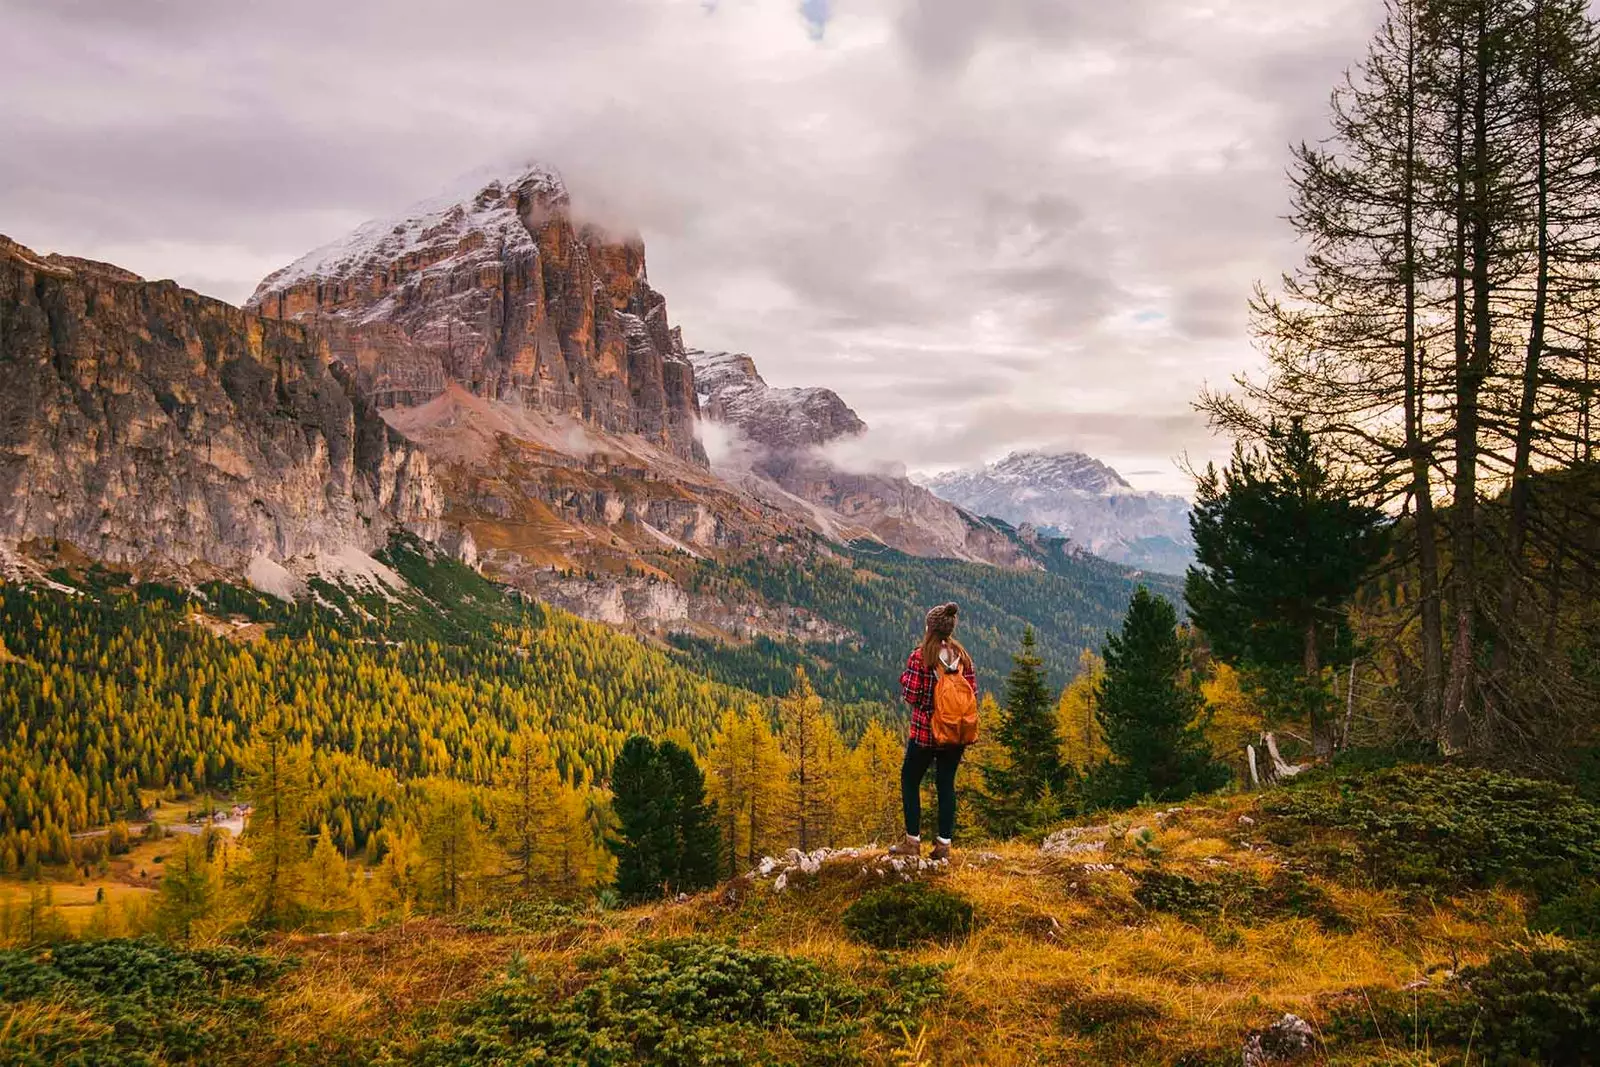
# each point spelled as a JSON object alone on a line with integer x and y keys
{"x": 1080, "y": 498}
{"x": 488, "y": 201}
{"x": 1036, "y": 473}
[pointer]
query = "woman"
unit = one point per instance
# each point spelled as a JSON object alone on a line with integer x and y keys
{"x": 939, "y": 646}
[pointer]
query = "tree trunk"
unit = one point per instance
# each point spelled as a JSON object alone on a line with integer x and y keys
{"x": 1522, "y": 462}
{"x": 1418, "y": 452}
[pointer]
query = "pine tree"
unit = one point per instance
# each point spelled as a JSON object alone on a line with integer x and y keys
{"x": 188, "y": 891}
{"x": 698, "y": 865}
{"x": 646, "y": 843}
{"x": 1148, "y": 707}
{"x": 1029, "y": 771}
{"x": 528, "y": 812}
{"x": 812, "y": 746}
{"x": 278, "y": 788}
{"x": 869, "y": 794}
{"x": 451, "y": 844}
{"x": 1280, "y": 550}
{"x": 667, "y": 834}
{"x": 328, "y": 880}
{"x": 1082, "y": 743}
{"x": 747, "y": 778}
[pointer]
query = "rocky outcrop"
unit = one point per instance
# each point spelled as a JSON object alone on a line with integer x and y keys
{"x": 494, "y": 287}
{"x": 143, "y": 422}
{"x": 781, "y": 436}
{"x": 1082, "y": 499}
{"x": 781, "y": 421}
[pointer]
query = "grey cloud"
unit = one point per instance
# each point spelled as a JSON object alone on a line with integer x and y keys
{"x": 1053, "y": 209}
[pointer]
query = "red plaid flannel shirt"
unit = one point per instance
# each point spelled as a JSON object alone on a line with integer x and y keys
{"x": 916, "y": 685}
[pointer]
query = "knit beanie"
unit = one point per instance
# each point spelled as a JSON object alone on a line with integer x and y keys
{"x": 942, "y": 620}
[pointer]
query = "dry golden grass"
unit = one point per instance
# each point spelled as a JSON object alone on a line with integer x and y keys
{"x": 1059, "y": 946}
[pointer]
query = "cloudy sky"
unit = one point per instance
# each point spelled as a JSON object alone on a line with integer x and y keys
{"x": 988, "y": 224}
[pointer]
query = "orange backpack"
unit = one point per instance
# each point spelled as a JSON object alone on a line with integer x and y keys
{"x": 955, "y": 707}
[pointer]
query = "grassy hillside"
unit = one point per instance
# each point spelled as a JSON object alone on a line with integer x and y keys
{"x": 1163, "y": 937}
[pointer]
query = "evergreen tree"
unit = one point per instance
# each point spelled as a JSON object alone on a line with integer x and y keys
{"x": 667, "y": 834}
{"x": 187, "y": 894}
{"x": 1022, "y": 788}
{"x": 1280, "y": 551}
{"x": 698, "y": 865}
{"x": 1148, "y": 709}
{"x": 646, "y": 845}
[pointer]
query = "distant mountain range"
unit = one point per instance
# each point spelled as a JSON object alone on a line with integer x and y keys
{"x": 1075, "y": 496}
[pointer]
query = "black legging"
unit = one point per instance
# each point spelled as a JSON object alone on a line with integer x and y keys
{"x": 914, "y": 769}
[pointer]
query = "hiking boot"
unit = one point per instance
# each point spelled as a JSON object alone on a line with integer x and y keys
{"x": 911, "y": 846}
{"x": 941, "y": 851}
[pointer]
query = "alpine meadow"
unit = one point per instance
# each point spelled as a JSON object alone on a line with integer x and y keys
{"x": 418, "y": 653}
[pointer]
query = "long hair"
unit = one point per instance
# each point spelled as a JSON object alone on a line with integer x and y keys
{"x": 930, "y": 649}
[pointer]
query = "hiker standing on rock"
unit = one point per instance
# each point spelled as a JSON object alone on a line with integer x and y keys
{"x": 942, "y": 688}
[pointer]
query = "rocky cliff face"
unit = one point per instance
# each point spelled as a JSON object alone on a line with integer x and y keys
{"x": 1079, "y": 498}
{"x": 494, "y": 287}
{"x": 142, "y": 422}
{"x": 780, "y": 436}
{"x": 732, "y": 391}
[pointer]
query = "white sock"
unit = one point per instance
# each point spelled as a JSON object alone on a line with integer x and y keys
{"x": 942, "y": 840}
{"x": 913, "y": 837}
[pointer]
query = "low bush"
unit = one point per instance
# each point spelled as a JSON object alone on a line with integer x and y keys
{"x": 909, "y": 913}
{"x": 1538, "y": 1004}
{"x": 1441, "y": 828}
{"x": 1575, "y": 914}
{"x": 913, "y": 988}
{"x": 131, "y": 1002}
{"x": 1240, "y": 897}
{"x": 679, "y": 1002}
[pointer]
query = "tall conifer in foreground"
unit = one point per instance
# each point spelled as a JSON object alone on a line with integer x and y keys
{"x": 1148, "y": 707}
{"x": 1280, "y": 550}
{"x": 1029, "y": 772}
{"x": 666, "y": 834}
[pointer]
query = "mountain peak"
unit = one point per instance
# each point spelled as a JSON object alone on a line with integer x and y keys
{"x": 1063, "y": 470}
{"x": 490, "y": 200}
{"x": 780, "y": 420}
{"x": 1081, "y": 498}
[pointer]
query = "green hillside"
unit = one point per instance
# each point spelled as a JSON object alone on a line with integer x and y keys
{"x": 881, "y": 595}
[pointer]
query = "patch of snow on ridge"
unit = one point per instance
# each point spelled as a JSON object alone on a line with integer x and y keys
{"x": 273, "y": 578}
{"x": 477, "y": 202}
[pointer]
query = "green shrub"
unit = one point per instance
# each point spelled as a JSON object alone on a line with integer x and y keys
{"x": 1240, "y": 897}
{"x": 522, "y": 916}
{"x": 1178, "y": 894}
{"x": 1575, "y": 914}
{"x": 678, "y": 1002}
{"x": 912, "y": 988}
{"x": 1442, "y": 828}
{"x": 134, "y": 1002}
{"x": 909, "y": 913}
{"x": 1539, "y": 1005}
